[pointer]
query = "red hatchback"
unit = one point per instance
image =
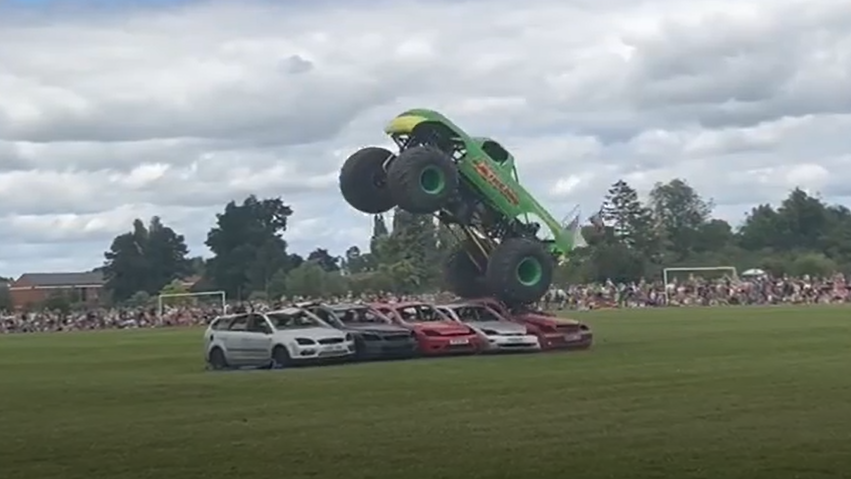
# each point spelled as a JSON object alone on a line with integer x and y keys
{"x": 436, "y": 334}
{"x": 552, "y": 332}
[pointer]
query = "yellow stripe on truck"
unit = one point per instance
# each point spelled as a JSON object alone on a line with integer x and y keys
{"x": 403, "y": 124}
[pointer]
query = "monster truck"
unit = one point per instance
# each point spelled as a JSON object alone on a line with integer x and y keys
{"x": 471, "y": 184}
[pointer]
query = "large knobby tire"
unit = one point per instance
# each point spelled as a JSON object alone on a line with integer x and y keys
{"x": 464, "y": 276}
{"x": 363, "y": 180}
{"x": 422, "y": 179}
{"x": 520, "y": 271}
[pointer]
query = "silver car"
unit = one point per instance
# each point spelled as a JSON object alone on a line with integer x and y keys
{"x": 498, "y": 333}
{"x": 275, "y": 338}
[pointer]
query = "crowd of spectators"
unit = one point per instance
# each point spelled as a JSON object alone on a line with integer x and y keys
{"x": 691, "y": 291}
{"x": 696, "y": 291}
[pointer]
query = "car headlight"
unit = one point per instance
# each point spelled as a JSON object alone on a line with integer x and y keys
{"x": 490, "y": 332}
{"x": 348, "y": 336}
{"x": 304, "y": 341}
{"x": 369, "y": 337}
{"x": 429, "y": 332}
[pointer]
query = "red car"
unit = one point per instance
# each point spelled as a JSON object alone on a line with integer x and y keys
{"x": 552, "y": 332}
{"x": 436, "y": 334}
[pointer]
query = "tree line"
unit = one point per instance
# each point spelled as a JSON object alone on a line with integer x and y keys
{"x": 627, "y": 240}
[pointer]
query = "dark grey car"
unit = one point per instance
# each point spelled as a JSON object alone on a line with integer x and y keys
{"x": 376, "y": 337}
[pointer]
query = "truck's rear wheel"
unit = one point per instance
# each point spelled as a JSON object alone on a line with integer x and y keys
{"x": 363, "y": 180}
{"x": 463, "y": 275}
{"x": 520, "y": 271}
{"x": 422, "y": 179}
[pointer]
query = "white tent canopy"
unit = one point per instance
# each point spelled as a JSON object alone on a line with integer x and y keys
{"x": 754, "y": 272}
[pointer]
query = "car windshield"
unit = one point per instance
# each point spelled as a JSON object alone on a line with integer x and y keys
{"x": 474, "y": 313}
{"x": 293, "y": 320}
{"x": 421, "y": 313}
{"x": 361, "y": 315}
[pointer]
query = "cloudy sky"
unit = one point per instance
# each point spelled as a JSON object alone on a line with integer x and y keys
{"x": 115, "y": 110}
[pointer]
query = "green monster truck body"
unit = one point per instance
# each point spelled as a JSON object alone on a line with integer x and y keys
{"x": 469, "y": 182}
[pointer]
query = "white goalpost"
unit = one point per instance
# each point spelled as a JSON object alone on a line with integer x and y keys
{"x": 220, "y": 294}
{"x": 667, "y": 272}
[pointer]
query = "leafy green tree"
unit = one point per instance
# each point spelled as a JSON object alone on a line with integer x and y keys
{"x": 380, "y": 234}
{"x": 58, "y": 301}
{"x": 616, "y": 262}
{"x": 761, "y": 229}
{"x": 312, "y": 281}
{"x": 803, "y": 220}
{"x": 269, "y": 258}
{"x": 197, "y": 265}
{"x": 714, "y": 235}
{"x": 410, "y": 254}
{"x": 293, "y": 261}
{"x": 680, "y": 212}
{"x": 5, "y": 297}
{"x": 802, "y": 234}
{"x": 139, "y": 298}
{"x": 173, "y": 288}
{"x": 145, "y": 259}
{"x": 631, "y": 222}
{"x": 356, "y": 262}
{"x": 324, "y": 259}
{"x": 248, "y": 246}
{"x": 278, "y": 284}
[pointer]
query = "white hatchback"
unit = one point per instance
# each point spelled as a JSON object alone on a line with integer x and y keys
{"x": 273, "y": 339}
{"x": 499, "y": 334}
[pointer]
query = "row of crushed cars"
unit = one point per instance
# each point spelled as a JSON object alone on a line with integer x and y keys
{"x": 320, "y": 332}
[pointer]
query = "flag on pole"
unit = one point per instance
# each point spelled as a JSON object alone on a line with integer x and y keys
{"x": 576, "y": 231}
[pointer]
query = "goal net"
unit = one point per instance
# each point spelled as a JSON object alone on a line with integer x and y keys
{"x": 185, "y": 307}
{"x": 674, "y": 276}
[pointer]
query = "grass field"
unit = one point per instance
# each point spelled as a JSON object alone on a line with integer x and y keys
{"x": 699, "y": 393}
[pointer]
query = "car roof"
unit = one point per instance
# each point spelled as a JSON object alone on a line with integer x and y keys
{"x": 459, "y": 304}
{"x": 304, "y": 304}
{"x": 287, "y": 310}
{"x": 404, "y": 304}
{"x": 347, "y": 306}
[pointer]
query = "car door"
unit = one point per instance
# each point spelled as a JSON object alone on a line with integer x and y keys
{"x": 258, "y": 340}
{"x": 234, "y": 340}
{"x": 324, "y": 315}
{"x": 389, "y": 313}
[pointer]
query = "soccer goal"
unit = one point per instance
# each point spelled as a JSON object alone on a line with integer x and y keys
{"x": 706, "y": 272}
{"x": 217, "y": 296}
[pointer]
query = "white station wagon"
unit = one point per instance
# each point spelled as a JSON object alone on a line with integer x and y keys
{"x": 273, "y": 339}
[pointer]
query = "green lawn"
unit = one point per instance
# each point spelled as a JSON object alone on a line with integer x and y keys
{"x": 710, "y": 393}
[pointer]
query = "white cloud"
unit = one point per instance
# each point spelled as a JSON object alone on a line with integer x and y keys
{"x": 176, "y": 110}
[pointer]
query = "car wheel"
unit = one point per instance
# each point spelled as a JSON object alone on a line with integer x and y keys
{"x": 217, "y": 359}
{"x": 422, "y": 179}
{"x": 464, "y": 276}
{"x": 363, "y": 180}
{"x": 281, "y": 357}
{"x": 520, "y": 271}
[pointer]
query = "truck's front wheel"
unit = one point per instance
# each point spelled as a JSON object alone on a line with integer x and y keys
{"x": 422, "y": 179}
{"x": 520, "y": 271}
{"x": 363, "y": 180}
